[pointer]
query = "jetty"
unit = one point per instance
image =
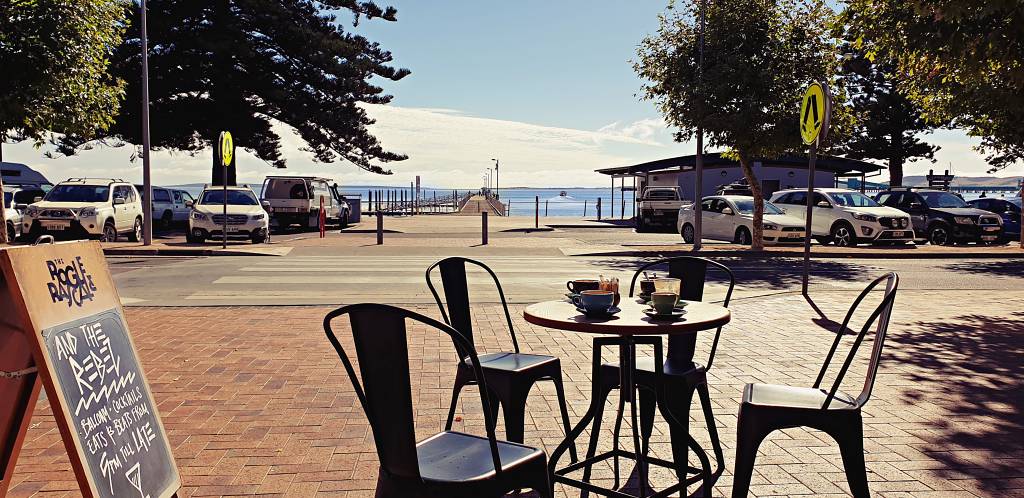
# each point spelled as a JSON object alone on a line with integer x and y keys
{"x": 402, "y": 202}
{"x": 475, "y": 204}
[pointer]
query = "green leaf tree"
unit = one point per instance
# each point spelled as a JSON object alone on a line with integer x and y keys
{"x": 960, "y": 60}
{"x": 54, "y": 55}
{"x": 889, "y": 124}
{"x": 246, "y": 65}
{"x": 759, "y": 56}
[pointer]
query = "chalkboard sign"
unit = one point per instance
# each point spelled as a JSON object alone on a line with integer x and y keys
{"x": 63, "y": 299}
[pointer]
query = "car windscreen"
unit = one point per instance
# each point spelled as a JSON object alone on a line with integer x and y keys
{"x": 942, "y": 200}
{"x": 746, "y": 206}
{"x": 78, "y": 193}
{"x": 282, "y": 188}
{"x": 662, "y": 195}
{"x": 1015, "y": 202}
{"x": 235, "y": 198}
{"x": 853, "y": 199}
{"x": 8, "y": 197}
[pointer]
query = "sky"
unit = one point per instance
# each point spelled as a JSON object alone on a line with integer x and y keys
{"x": 546, "y": 87}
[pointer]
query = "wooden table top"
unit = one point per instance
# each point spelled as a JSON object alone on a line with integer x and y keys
{"x": 562, "y": 315}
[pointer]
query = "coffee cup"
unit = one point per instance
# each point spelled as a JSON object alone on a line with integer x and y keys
{"x": 646, "y": 287}
{"x": 578, "y": 286}
{"x": 663, "y": 302}
{"x": 596, "y": 301}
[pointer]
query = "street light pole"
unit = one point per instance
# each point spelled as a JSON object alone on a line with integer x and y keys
{"x": 497, "y": 178}
{"x": 147, "y": 185}
{"x": 698, "y": 175}
{"x": 488, "y": 178}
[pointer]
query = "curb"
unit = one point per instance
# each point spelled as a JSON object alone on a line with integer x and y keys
{"x": 814, "y": 255}
{"x": 120, "y": 251}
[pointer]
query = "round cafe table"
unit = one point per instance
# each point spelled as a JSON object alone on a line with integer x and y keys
{"x": 626, "y": 329}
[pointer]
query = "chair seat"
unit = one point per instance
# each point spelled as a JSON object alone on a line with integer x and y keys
{"x": 795, "y": 397}
{"x": 513, "y": 362}
{"x": 458, "y": 457}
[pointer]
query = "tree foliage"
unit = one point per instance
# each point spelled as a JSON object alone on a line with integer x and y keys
{"x": 759, "y": 57}
{"x": 245, "y": 65}
{"x": 888, "y": 125}
{"x": 54, "y": 55}
{"x": 960, "y": 60}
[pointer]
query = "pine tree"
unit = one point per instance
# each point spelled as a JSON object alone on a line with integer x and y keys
{"x": 889, "y": 124}
{"x": 248, "y": 65}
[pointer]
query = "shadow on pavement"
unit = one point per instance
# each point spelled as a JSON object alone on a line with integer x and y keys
{"x": 1001, "y": 268}
{"x": 976, "y": 362}
{"x": 770, "y": 273}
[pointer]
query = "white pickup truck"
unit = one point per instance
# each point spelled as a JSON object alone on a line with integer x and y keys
{"x": 659, "y": 207}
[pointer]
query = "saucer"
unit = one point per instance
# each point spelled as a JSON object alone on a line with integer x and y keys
{"x": 675, "y": 315}
{"x": 571, "y": 295}
{"x": 605, "y": 314}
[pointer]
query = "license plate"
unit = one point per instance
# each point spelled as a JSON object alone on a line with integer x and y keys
{"x": 988, "y": 237}
{"x": 991, "y": 229}
{"x": 232, "y": 229}
{"x": 56, "y": 225}
{"x": 899, "y": 234}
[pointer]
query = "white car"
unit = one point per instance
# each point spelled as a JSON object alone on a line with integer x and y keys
{"x": 13, "y": 217}
{"x": 168, "y": 206}
{"x": 847, "y": 217}
{"x": 104, "y": 208}
{"x": 731, "y": 218}
{"x": 246, "y": 218}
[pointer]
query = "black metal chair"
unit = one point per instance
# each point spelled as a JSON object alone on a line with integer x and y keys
{"x": 672, "y": 390}
{"x": 509, "y": 375}
{"x": 766, "y": 408}
{"x": 449, "y": 463}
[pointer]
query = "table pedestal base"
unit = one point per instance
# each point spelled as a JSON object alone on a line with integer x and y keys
{"x": 627, "y": 364}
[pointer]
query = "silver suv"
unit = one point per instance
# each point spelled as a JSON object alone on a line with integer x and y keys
{"x": 103, "y": 208}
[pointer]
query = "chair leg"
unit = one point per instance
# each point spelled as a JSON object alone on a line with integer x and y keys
{"x": 560, "y": 390}
{"x": 851, "y": 446}
{"x": 455, "y": 401}
{"x": 541, "y": 482}
{"x": 647, "y": 400}
{"x": 595, "y": 432}
{"x": 615, "y": 434}
{"x": 514, "y": 409}
{"x": 675, "y": 408}
{"x": 709, "y": 419}
{"x": 749, "y": 435}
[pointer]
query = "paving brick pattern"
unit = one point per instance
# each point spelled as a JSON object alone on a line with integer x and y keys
{"x": 256, "y": 402}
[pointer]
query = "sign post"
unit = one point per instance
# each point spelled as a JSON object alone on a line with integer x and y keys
{"x": 60, "y": 313}
{"x": 815, "y": 113}
{"x": 227, "y": 152}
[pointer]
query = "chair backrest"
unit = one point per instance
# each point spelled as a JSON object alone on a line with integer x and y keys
{"x": 880, "y": 319}
{"x": 456, "y": 294}
{"x": 692, "y": 272}
{"x": 385, "y": 392}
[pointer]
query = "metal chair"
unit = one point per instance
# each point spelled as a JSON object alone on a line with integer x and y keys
{"x": 509, "y": 375}
{"x": 672, "y": 390}
{"x": 766, "y": 408}
{"x": 449, "y": 463}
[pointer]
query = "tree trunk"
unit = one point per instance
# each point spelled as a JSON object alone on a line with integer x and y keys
{"x": 3, "y": 212}
{"x": 895, "y": 162}
{"x": 756, "y": 238}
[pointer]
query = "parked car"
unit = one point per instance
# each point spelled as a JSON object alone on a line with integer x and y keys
{"x": 1007, "y": 209}
{"x": 295, "y": 200}
{"x": 659, "y": 206}
{"x": 246, "y": 217}
{"x": 16, "y": 200}
{"x": 168, "y": 205}
{"x": 943, "y": 218}
{"x": 731, "y": 218}
{"x": 104, "y": 208}
{"x": 846, "y": 217}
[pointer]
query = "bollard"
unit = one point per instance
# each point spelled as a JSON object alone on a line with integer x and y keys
{"x": 483, "y": 222}
{"x": 508, "y": 208}
{"x": 598, "y": 209}
{"x": 380, "y": 228}
{"x": 584, "y": 208}
{"x": 545, "y": 208}
{"x": 536, "y": 212}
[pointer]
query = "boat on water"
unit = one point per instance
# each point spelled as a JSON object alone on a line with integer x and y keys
{"x": 563, "y": 194}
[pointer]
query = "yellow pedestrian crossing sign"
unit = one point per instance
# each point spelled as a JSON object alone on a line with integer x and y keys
{"x": 227, "y": 149}
{"x": 815, "y": 113}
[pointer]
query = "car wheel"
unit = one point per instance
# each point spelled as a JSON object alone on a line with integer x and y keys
{"x": 842, "y": 235}
{"x": 688, "y": 233}
{"x": 743, "y": 236}
{"x": 11, "y": 234}
{"x": 344, "y": 221}
{"x": 109, "y": 232}
{"x": 823, "y": 240}
{"x": 259, "y": 239}
{"x": 167, "y": 220}
{"x": 939, "y": 236}
{"x": 136, "y": 234}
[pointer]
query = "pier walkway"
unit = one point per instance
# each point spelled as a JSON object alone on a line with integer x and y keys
{"x": 476, "y": 204}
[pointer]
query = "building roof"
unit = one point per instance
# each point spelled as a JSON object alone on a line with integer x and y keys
{"x": 841, "y": 166}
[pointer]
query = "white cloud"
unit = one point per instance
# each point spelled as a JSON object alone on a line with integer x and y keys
{"x": 645, "y": 129}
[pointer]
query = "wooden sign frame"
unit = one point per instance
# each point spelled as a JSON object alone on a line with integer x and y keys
{"x": 59, "y": 290}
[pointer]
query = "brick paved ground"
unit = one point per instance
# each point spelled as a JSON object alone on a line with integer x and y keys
{"x": 255, "y": 401}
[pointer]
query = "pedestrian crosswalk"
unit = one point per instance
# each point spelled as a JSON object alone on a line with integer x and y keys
{"x": 393, "y": 279}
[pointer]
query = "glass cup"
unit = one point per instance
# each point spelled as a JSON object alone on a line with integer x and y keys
{"x": 667, "y": 285}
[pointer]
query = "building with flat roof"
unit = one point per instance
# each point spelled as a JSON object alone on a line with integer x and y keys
{"x": 787, "y": 171}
